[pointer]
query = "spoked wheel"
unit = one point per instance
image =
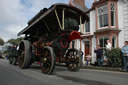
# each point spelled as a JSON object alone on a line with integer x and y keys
{"x": 47, "y": 61}
{"x": 73, "y": 60}
{"x": 24, "y": 54}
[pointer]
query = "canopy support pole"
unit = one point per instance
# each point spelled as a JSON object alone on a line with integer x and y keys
{"x": 63, "y": 16}
{"x": 80, "y": 24}
{"x": 58, "y": 19}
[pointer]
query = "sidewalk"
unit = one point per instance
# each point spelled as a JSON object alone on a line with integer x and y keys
{"x": 116, "y": 69}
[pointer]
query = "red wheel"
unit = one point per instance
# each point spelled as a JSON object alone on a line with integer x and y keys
{"x": 47, "y": 62}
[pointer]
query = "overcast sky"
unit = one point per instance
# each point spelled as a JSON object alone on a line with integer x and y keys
{"x": 14, "y": 14}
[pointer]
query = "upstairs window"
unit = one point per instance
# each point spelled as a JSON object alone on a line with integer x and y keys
{"x": 103, "y": 16}
{"x": 87, "y": 27}
{"x": 112, "y": 14}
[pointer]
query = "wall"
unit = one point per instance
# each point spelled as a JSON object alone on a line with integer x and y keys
{"x": 92, "y": 30}
{"x": 92, "y": 21}
{"x": 121, "y": 23}
{"x": 125, "y": 20}
{"x": 77, "y": 42}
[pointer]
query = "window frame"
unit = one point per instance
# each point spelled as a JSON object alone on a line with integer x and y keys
{"x": 102, "y": 11}
{"x": 115, "y": 42}
{"x": 104, "y": 37}
{"x": 87, "y": 27}
{"x": 114, "y": 11}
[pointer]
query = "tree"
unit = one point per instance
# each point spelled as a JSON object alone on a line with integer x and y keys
{"x": 15, "y": 41}
{"x": 1, "y": 41}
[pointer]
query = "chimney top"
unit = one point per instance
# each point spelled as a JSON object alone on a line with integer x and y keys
{"x": 79, "y": 4}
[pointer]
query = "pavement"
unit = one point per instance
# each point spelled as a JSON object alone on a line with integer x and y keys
{"x": 13, "y": 75}
{"x": 104, "y": 68}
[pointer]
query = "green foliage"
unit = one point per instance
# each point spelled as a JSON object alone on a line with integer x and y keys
{"x": 1, "y": 41}
{"x": 15, "y": 41}
{"x": 114, "y": 57}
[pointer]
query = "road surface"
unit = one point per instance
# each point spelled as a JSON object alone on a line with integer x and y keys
{"x": 13, "y": 75}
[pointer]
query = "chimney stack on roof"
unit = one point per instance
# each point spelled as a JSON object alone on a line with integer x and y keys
{"x": 79, "y": 4}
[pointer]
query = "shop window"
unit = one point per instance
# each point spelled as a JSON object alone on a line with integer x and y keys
{"x": 103, "y": 16}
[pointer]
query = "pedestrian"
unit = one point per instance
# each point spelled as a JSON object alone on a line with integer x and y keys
{"x": 88, "y": 59}
{"x": 99, "y": 54}
{"x": 124, "y": 51}
{"x": 108, "y": 46}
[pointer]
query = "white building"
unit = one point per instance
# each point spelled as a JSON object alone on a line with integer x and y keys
{"x": 108, "y": 21}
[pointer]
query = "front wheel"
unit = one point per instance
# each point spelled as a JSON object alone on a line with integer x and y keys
{"x": 73, "y": 60}
{"x": 47, "y": 61}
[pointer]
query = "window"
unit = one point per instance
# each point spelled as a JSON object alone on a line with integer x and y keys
{"x": 87, "y": 27}
{"x": 112, "y": 14}
{"x": 103, "y": 16}
{"x": 114, "y": 41}
{"x": 103, "y": 41}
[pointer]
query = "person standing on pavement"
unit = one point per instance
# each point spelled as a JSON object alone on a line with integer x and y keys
{"x": 88, "y": 59}
{"x": 124, "y": 51}
{"x": 99, "y": 54}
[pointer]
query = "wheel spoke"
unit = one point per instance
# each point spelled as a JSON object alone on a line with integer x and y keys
{"x": 46, "y": 61}
{"x": 73, "y": 60}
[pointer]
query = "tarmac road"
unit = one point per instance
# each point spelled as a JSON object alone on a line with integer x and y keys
{"x": 13, "y": 75}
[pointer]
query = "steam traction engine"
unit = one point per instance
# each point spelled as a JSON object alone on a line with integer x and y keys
{"x": 47, "y": 38}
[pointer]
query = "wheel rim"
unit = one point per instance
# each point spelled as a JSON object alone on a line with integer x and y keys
{"x": 21, "y": 57}
{"x": 73, "y": 60}
{"x": 46, "y": 61}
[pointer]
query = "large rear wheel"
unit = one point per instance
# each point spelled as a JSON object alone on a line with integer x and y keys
{"x": 25, "y": 54}
{"x": 47, "y": 61}
{"x": 73, "y": 60}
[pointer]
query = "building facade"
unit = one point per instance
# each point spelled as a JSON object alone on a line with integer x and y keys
{"x": 108, "y": 21}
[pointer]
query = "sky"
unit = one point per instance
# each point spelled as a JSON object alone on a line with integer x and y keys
{"x": 14, "y": 14}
